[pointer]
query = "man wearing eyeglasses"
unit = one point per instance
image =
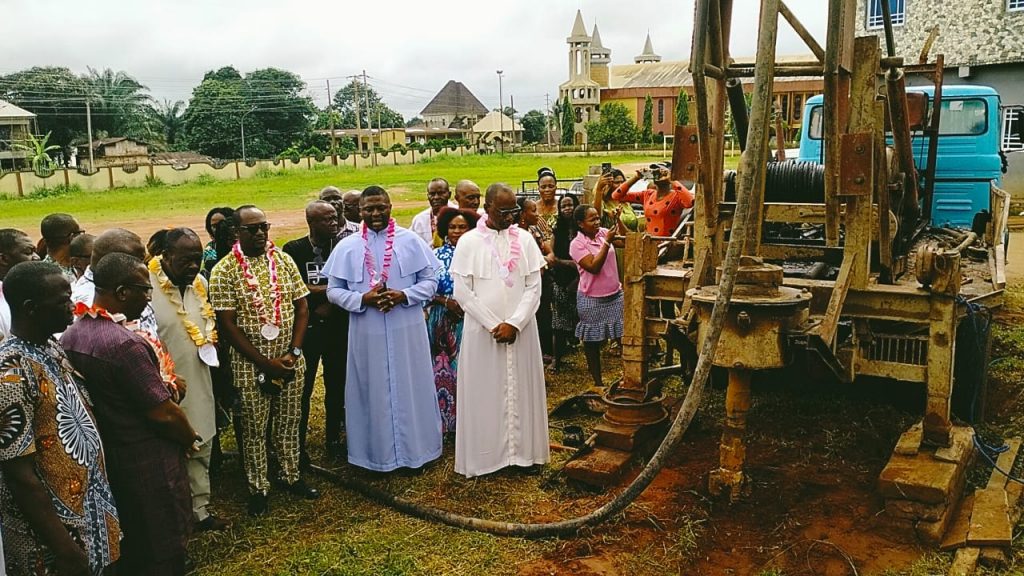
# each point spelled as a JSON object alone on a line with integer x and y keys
{"x": 260, "y": 300}
{"x": 328, "y": 325}
{"x": 501, "y": 417}
{"x": 145, "y": 433}
{"x": 58, "y": 230}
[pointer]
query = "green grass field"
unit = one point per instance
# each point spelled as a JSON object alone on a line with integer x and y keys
{"x": 150, "y": 208}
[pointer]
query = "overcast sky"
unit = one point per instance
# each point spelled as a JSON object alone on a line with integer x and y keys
{"x": 409, "y": 48}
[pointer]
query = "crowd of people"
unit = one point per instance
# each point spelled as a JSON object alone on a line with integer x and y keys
{"x": 120, "y": 361}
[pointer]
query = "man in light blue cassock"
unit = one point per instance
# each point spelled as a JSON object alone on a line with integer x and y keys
{"x": 383, "y": 277}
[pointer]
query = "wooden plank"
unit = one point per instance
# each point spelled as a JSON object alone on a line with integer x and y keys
{"x": 990, "y": 519}
{"x": 965, "y": 562}
{"x": 956, "y": 534}
{"x": 827, "y": 329}
{"x": 1004, "y": 463}
{"x": 992, "y": 557}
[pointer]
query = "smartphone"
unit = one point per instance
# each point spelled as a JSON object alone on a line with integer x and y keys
{"x": 606, "y": 167}
{"x": 648, "y": 174}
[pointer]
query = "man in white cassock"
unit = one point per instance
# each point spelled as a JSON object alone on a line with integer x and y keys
{"x": 501, "y": 417}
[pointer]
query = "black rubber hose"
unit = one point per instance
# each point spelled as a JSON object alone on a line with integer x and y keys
{"x": 675, "y": 433}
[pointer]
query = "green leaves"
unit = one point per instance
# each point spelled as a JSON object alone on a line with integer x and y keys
{"x": 268, "y": 102}
{"x": 378, "y": 114}
{"x": 615, "y": 126}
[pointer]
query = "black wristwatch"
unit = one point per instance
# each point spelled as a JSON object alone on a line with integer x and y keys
{"x": 297, "y": 352}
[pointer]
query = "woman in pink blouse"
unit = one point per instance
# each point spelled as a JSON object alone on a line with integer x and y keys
{"x": 599, "y": 298}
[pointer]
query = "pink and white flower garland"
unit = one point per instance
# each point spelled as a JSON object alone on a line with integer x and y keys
{"x": 389, "y": 253}
{"x": 515, "y": 250}
{"x": 254, "y": 286}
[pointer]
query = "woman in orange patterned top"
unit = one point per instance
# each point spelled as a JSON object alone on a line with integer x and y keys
{"x": 663, "y": 205}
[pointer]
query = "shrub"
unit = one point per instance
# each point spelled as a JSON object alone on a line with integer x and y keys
{"x": 153, "y": 181}
{"x": 205, "y": 180}
{"x": 58, "y": 190}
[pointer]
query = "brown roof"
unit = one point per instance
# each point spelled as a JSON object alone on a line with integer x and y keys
{"x": 455, "y": 98}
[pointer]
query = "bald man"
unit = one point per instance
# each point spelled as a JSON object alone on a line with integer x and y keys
{"x": 327, "y": 328}
{"x": 335, "y": 198}
{"x": 467, "y": 194}
{"x": 353, "y": 219}
{"x": 119, "y": 241}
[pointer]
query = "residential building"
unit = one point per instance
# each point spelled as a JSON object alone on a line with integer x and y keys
{"x": 497, "y": 128}
{"x": 453, "y": 107}
{"x": 982, "y": 43}
{"x": 15, "y": 127}
{"x": 119, "y": 151}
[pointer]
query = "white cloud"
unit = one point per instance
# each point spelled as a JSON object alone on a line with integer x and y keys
{"x": 409, "y": 48}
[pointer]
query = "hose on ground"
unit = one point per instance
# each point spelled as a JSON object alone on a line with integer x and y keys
{"x": 675, "y": 433}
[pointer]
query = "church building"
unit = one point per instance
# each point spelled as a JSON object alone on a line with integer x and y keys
{"x": 594, "y": 81}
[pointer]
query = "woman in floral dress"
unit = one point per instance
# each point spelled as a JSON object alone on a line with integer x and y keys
{"x": 444, "y": 315}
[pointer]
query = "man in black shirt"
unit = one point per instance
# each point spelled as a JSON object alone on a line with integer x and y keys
{"x": 328, "y": 325}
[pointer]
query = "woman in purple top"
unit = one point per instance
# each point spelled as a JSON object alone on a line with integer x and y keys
{"x": 599, "y": 299}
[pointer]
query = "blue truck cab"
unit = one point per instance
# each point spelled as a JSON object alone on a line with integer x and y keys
{"x": 968, "y": 157}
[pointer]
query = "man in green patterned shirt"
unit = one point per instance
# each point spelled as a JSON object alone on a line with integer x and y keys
{"x": 260, "y": 300}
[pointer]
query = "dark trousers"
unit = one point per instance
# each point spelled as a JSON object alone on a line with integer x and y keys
{"x": 325, "y": 343}
{"x": 543, "y": 316}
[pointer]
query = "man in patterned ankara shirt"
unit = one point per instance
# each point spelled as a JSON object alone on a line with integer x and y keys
{"x": 55, "y": 503}
{"x": 260, "y": 300}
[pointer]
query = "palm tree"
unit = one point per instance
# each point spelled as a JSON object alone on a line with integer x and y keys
{"x": 169, "y": 119}
{"x": 39, "y": 150}
{"x": 120, "y": 103}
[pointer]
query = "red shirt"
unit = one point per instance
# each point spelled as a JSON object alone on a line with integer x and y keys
{"x": 662, "y": 215}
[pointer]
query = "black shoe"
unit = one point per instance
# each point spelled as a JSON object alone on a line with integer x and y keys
{"x": 301, "y": 489}
{"x": 335, "y": 449}
{"x": 259, "y": 504}
{"x": 212, "y": 523}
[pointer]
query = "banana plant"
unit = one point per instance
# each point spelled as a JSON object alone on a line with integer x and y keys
{"x": 39, "y": 151}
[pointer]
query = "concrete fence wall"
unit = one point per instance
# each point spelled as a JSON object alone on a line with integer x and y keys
{"x": 25, "y": 182}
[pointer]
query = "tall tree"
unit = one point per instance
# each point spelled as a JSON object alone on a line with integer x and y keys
{"x": 56, "y": 96}
{"x": 268, "y": 102}
{"x": 647, "y": 131}
{"x": 615, "y": 126}
{"x": 169, "y": 118}
{"x": 534, "y": 126}
{"x": 682, "y": 108}
{"x": 120, "y": 104}
{"x": 568, "y": 123}
{"x": 345, "y": 103}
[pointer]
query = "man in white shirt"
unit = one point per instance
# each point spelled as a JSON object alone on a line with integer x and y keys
{"x": 114, "y": 240}
{"x": 424, "y": 224}
{"x": 15, "y": 247}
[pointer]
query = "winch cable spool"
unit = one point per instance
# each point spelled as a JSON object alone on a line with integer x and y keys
{"x": 791, "y": 182}
{"x": 675, "y": 433}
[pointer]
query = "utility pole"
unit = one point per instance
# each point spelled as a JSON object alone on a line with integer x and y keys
{"x": 359, "y": 120}
{"x": 88, "y": 128}
{"x": 330, "y": 112}
{"x": 244, "y": 114}
{"x": 547, "y": 118}
{"x": 369, "y": 120}
{"x": 512, "y": 109}
{"x": 501, "y": 111}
